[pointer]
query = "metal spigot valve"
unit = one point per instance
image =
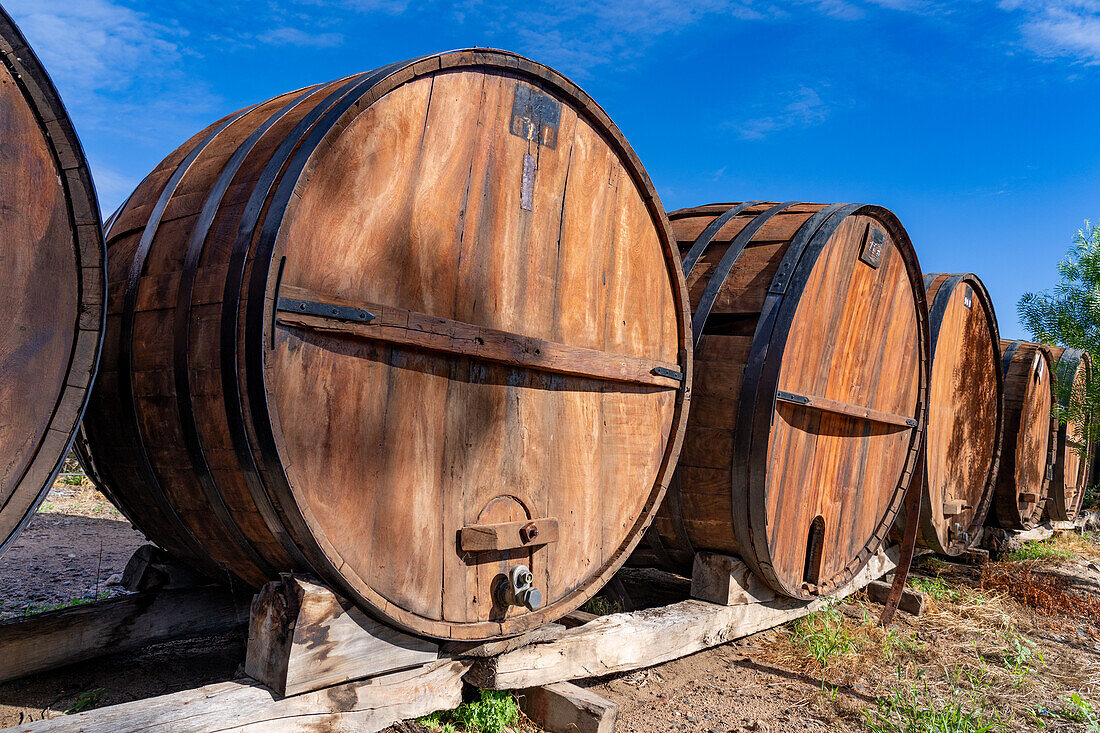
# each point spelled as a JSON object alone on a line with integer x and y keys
{"x": 518, "y": 589}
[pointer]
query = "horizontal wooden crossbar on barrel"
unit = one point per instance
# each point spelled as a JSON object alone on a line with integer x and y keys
{"x": 811, "y": 389}
{"x": 1030, "y": 437}
{"x": 52, "y": 287}
{"x": 421, "y": 331}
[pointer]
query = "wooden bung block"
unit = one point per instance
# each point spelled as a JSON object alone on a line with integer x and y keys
{"x": 565, "y": 708}
{"x": 302, "y": 637}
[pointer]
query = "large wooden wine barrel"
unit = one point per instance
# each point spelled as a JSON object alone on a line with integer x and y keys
{"x": 811, "y": 389}
{"x": 1072, "y": 458}
{"x": 1030, "y": 437}
{"x": 409, "y": 330}
{"x": 966, "y": 413}
{"x": 51, "y": 281}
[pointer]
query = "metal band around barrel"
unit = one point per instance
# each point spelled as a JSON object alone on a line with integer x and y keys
{"x": 182, "y": 337}
{"x": 231, "y": 297}
{"x": 703, "y": 241}
{"x": 126, "y": 350}
{"x": 725, "y": 266}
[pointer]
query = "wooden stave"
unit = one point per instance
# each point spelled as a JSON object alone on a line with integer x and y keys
{"x": 940, "y": 287}
{"x": 1058, "y": 509}
{"x": 254, "y": 301}
{"x": 45, "y": 104}
{"x": 767, "y": 353}
{"x": 1005, "y": 507}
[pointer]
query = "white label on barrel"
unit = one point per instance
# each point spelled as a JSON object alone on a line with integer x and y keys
{"x": 527, "y": 192}
{"x": 968, "y": 297}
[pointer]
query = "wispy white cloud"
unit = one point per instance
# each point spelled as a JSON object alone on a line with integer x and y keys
{"x": 110, "y": 61}
{"x": 805, "y": 108}
{"x": 94, "y": 44}
{"x": 290, "y": 36}
{"x": 1062, "y": 28}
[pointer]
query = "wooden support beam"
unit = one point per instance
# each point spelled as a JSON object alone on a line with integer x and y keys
{"x": 422, "y": 331}
{"x": 727, "y": 580}
{"x": 574, "y": 619}
{"x": 302, "y": 637}
{"x": 912, "y": 602}
{"x": 626, "y": 641}
{"x": 365, "y": 706}
{"x": 566, "y": 708}
{"x": 975, "y": 556}
{"x": 57, "y": 638}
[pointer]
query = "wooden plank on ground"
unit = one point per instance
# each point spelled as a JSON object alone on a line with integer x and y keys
{"x": 1037, "y": 534}
{"x": 912, "y": 602}
{"x": 302, "y": 637}
{"x": 365, "y": 706}
{"x": 57, "y": 638}
{"x": 626, "y": 641}
{"x": 566, "y": 708}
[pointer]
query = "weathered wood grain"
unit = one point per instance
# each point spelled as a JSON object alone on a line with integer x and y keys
{"x": 1030, "y": 436}
{"x": 57, "y": 638}
{"x": 246, "y": 706}
{"x": 966, "y": 413}
{"x": 566, "y": 708}
{"x": 912, "y": 602}
{"x": 810, "y": 392}
{"x": 524, "y": 359}
{"x": 52, "y": 288}
{"x": 302, "y": 637}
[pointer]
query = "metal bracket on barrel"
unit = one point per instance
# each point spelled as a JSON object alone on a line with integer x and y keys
{"x": 325, "y": 310}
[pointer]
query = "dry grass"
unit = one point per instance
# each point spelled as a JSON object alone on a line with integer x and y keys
{"x": 1006, "y": 646}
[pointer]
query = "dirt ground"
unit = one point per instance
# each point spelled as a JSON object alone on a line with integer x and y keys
{"x": 1014, "y": 640}
{"x": 71, "y": 548}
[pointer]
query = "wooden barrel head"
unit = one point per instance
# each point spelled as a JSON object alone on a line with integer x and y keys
{"x": 1073, "y": 457}
{"x": 850, "y": 400}
{"x": 810, "y": 388}
{"x": 1027, "y": 454}
{"x": 965, "y": 418}
{"x": 438, "y": 306}
{"x": 51, "y": 281}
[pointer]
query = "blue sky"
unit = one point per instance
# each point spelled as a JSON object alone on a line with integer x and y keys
{"x": 977, "y": 122}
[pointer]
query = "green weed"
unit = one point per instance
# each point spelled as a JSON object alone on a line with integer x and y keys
{"x": 1038, "y": 551}
{"x": 909, "y": 712}
{"x": 937, "y": 588}
{"x": 1079, "y": 710}
{"x": 32, "y": 609}
{"x": 86, "y": 701}
{"x": 1018, "y": 657}
{"x": 493, "y": 712}
{"x": 822, "y": 634}
{"x": 894, "y": 642}
{"x": 601, "y": 606}
{"x": 44, "y": 508}
{"x": 72, "y": 480}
